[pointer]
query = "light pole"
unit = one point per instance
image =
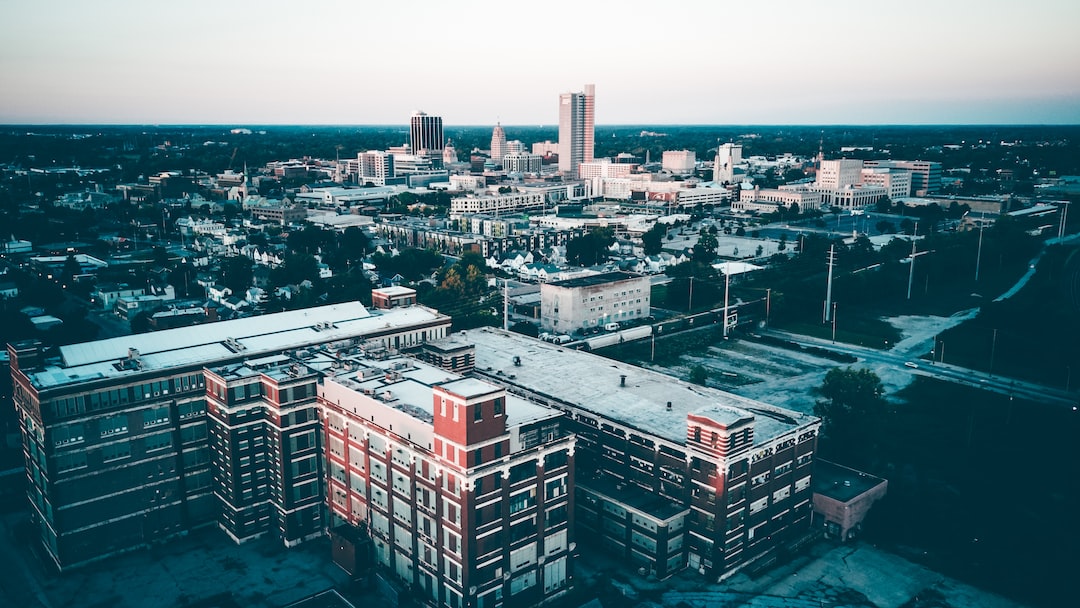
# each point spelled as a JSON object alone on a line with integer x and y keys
{"x": 768, "y": 293}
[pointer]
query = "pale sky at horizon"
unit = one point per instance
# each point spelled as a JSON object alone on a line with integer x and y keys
{"x": 249, "y": 62}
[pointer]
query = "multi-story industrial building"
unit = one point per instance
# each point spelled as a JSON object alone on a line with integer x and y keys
{"x": 667, "y": 474}
{"x": 267, "y": 464}
{"x": 576, "y": 129}
{"x": 116, "y": 435}
{"x": 463, "y": 490}
{"x": 593, "y": 301}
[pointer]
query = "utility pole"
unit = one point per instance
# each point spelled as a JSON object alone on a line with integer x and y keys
{"x": 911, "y": 271}
{"x": 1064, "y": 215}
{"x": 828, "y": 286}
{"x": 506, "y": 304}
{"x": 834, "y": 322}
{"x": 768, "y": 293}
{"x": 727, "y": 285}
{"x": 993, "y": 348}
{"x": 978, "y": 254}
{"x": 690, "y": 298}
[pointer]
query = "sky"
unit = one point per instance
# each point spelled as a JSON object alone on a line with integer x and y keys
{"x": 353, "y": 62}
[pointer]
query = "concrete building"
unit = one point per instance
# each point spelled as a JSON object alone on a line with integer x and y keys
{"x": 666, "y": 474}
{"x": 768, "y": 199}
{"x": 679, "y": 162}
{"x": 512, "y": 202}
{"x": 376, "y": 167}
{"x": 281, "y": 212}
{"x": 925, "y": 175}
{"x": 522, "y": 163}
{"x": 463, "y": 489}
{"x": 836, "y": 174}
{"x": 728, "y": 156}
{"x": 593, "y": 301}
{"x": 115, "y": 432}
{"x": 576, "y": 129}
{"x": 498, "y": 143}
{"x": 896, "y": 182}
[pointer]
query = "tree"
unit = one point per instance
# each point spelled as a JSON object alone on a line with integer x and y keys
{"x": 852, "y": 413}
{"x": 885, "y": 227}
{"x": 237, "y": 273}
{"x": 699, "y": 375}
{"x": 653, "y": 240}
{"x": 705, "y": 248}
{"x": 591, "y": 248}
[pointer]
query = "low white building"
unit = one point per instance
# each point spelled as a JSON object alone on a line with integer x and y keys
{"x": 594, "y": 300}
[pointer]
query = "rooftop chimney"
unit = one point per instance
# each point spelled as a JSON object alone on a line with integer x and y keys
{"x": 622, "y": 381}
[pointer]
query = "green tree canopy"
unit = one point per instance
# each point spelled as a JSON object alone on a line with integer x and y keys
{"x": 591, "y": 248}
{"x": 853, "y": 413}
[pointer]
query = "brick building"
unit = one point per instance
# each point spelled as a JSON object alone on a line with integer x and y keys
{"x": 115, "y": 433}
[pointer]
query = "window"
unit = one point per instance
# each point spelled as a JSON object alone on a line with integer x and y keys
{"x": 555, "y": 488}
{"x": 155, "y": 416}
{"x": 522, "y": 500}
{"x": 498, "y": 406}
{"x": 115, "y": 451}
{"x": 113, "y": 425}
{"x": 478, "y": 412}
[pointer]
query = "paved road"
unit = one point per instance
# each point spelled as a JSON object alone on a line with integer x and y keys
{"x": 1011, "y": 387}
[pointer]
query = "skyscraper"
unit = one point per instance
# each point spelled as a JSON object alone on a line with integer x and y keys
{"x": 426, "y": 134}
{"x": 576, "y": 121}
{"x": 498, "y": 144}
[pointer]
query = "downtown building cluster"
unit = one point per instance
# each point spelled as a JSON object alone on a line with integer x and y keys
{"x": 469, "y": 467}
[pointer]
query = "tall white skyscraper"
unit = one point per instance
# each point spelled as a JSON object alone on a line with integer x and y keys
{"x": 498, "y": 144}
{"x": 727, "y": 156}
{"x": 576, "y": 127}
{"x": 426, "y": 134}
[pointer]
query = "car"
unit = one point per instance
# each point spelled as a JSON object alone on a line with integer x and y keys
{"x": 910, "y": 364}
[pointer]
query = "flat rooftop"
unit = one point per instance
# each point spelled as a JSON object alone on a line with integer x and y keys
{"x": 217, "y": 343}
{"x": 841, "y": 483}
{"x": 595, "y": 279}
{"x": 592, "y": 383}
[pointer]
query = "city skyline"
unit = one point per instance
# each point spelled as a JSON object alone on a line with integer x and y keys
{"x": 838, "y": 62}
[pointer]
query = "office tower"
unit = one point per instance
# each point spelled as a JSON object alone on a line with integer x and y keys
{"x": 116, "y": 432}
{"x": 576, "y": 129}
{"x": 727, "y": 157}
{"x": 426, "y": 134}
{"x": 680, "y": 162}
{"x": 498, "y": 144}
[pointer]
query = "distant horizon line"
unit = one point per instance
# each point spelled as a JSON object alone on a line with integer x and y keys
{"x": 526, "y": 125}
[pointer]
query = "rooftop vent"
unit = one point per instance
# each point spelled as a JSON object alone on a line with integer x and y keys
{"x": 622, "y": 382}
{"x": 669, "y": 406}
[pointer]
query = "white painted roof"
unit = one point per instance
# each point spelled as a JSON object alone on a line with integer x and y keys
{"x": 593, "y": 383}
{"x": 207, "y": 344}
